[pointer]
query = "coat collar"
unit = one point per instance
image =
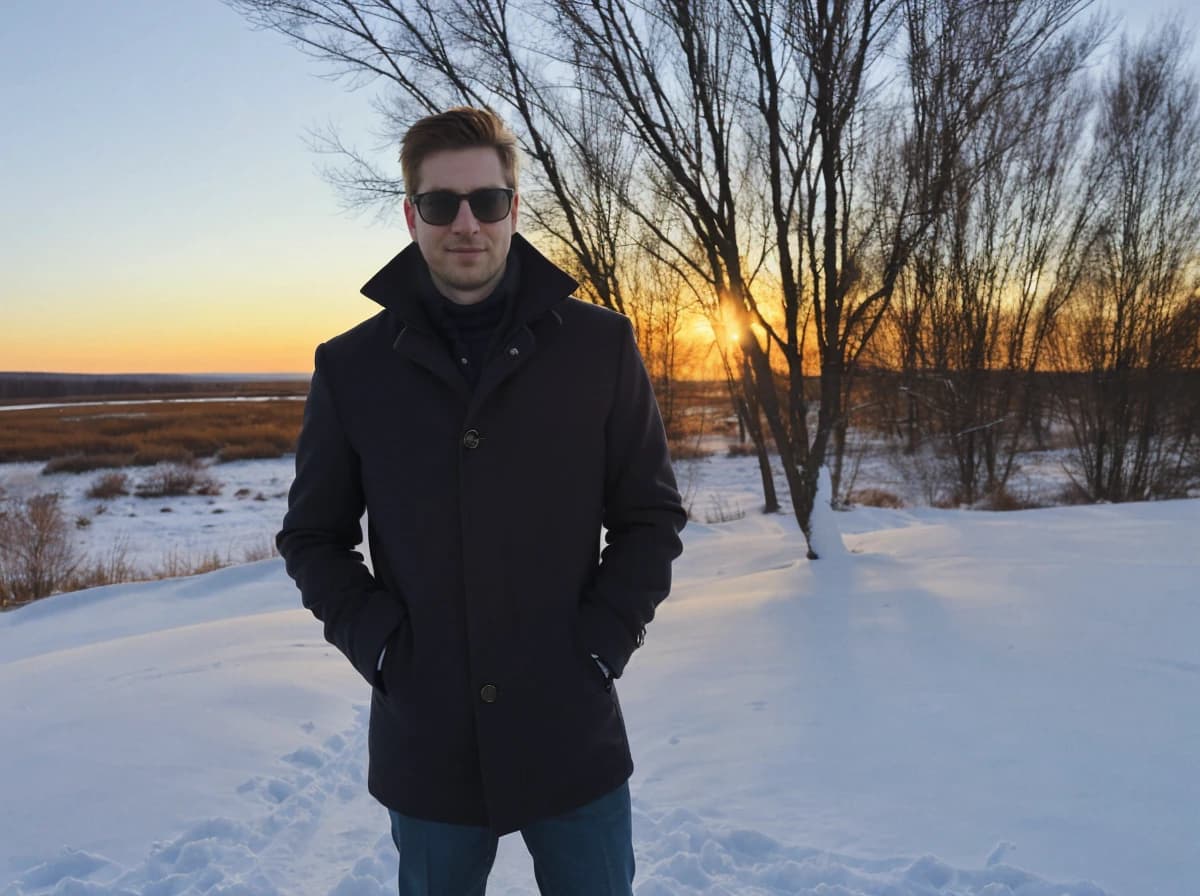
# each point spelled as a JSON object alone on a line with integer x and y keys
{"x": 543, "y": 285}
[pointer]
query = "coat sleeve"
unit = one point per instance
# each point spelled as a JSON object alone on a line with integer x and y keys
{"x": 643, "y": 515}
{"x": 321, "y": 531}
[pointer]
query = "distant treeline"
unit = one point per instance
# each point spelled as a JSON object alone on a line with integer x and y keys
{"x": 17, "y": 387}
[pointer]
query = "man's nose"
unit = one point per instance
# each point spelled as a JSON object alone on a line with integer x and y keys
{"x": 465, "y": 221}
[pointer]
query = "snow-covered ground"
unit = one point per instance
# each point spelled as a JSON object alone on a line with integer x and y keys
{"x": 242, "y": 519}
{"x": 153, "y": 532}
{"x": 962, "y": 703}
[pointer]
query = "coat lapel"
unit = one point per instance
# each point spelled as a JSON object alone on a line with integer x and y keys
{"x": 425, "y": 349}
{"x": 542, "y": 286}
{"x": 510, "y": 357}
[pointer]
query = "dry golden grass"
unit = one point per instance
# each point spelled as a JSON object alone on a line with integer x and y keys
{"x": 76, "y": 439}
{"x": 81, "y": 463}
{"x": 175, "y": 564}
{"x": 687, "y": 449}
{"x": 1004, "y": 500}
{"x": 741, "y": 449}
{"x": 81, "y": 438}
{"x": 875, "y": 497}
{"x": 176, "y": 480}
{"x": 26, "y": 576}
{"x": 109, "y": 485}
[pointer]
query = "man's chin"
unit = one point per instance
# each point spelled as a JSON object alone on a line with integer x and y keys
{"x": 468, "y": 284}
{"x": 468, "y": 281}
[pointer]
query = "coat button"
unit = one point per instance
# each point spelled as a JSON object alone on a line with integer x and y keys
{"x": 487, "y": 693}
{"x": 514, "y": 351}
{"x": 470, "y": 439}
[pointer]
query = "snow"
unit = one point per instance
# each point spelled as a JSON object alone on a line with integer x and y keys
{"x": 956, "y": 702}
{"x": 825, "y": 527}
{"x": 154, "y": 532}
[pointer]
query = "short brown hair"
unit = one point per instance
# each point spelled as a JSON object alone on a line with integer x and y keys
{"x": 463, "y": 127}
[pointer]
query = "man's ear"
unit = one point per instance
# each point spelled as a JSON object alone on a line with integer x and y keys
{"x": 410, "y": 216}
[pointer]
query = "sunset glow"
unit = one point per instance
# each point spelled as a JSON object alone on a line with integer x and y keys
{"x": 164, "y": 209}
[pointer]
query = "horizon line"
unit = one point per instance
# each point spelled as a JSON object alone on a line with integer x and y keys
{"x": 192, "y": 374}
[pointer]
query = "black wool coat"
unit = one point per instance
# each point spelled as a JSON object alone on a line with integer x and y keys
{"x": 489, "y": 587}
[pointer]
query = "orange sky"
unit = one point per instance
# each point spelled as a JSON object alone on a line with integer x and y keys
{"x": 222, "y": 323}
{"x": 165, "y": 214}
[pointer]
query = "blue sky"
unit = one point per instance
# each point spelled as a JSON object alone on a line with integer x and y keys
{"x": 158, "y": 190}
{"x": 162, "y": 209}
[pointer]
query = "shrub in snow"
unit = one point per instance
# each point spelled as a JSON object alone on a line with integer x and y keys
{"x": 722, "y": 511}
{"x": 875, "y": 497}
{"x": 177, "y": 480}
{"x": 110, "y": 485}
{"x": 688, "y": 449}
{"x": 37, "y": 557}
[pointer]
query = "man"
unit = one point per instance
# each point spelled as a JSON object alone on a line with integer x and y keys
{"x": 490, "y": 424}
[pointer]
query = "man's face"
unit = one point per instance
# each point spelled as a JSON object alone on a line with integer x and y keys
{"x": 466, "y": 257}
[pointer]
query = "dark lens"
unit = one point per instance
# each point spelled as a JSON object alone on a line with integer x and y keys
{"x": 438, "y": 208}
{"x": 490, "y": 205}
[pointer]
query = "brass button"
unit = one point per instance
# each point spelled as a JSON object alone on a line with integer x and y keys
{"x": 487, "y": 693}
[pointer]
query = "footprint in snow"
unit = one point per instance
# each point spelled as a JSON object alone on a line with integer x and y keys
{"x": 70, "y": 864}
{"x": 680, "y": 853}
{"x": 305, "y": 757}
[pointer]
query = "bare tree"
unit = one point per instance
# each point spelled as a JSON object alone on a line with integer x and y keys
{"x": 1132, "y": 327}
{"x": 968, "y": 67}
{"x": 732, "y": 136}
{"x": 740, "y": 385}
{"x": 431, "y": 54}
{"x": 660, "y": 307}
{"x": 987, "y": 285}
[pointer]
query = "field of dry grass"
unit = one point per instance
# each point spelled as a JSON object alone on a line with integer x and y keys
{"x": 90, "y": 437}
{"x": 183, "y": 432}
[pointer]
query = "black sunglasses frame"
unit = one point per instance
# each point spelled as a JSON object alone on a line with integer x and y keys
{"x": 483, "y": 194}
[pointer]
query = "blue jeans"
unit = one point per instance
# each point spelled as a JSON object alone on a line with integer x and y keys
{"x": 585, "y": 852}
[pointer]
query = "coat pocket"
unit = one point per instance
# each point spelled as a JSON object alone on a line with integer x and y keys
{"x": 598, "y": 670}
{"x": 397, "y": 661}
{"x": 592, "y": 671}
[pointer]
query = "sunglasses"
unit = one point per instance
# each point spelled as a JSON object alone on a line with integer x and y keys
{"x": 440, "y": 207}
